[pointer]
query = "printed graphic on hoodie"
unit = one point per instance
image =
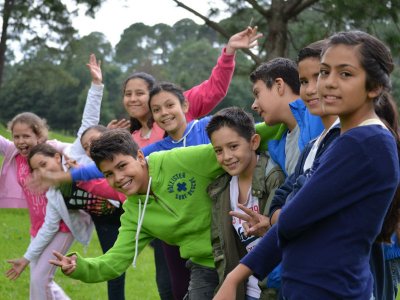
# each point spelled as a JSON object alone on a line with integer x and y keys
{"x": 182, "y": 186}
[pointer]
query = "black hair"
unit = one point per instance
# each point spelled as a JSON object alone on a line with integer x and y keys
{"x": 44, "y": 149}
{"x": 278, "y": 67}
{"x": 377, "y": 61}
{"x": 167, "y": 87}
{"x": 150, "y": 81}
{"x": 111, "y": 143}
{"x": 98, "y": 128}
{"x": 235, "y": 118}
{"x": 312, "y": 50}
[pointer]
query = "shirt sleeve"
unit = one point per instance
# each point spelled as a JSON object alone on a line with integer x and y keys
{"x": 116, "y": 260}
{"x": 268, "y": 133}
{"x": 338, "y": 182}
{"x": 101, "y": 188}
{"x": 265, "y": 257}
{"x": 205, "y": 96}
{"x": 86, "y": 173}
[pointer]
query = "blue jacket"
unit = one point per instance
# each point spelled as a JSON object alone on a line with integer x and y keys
{"x": 195, "y": 134}
{"x": 310, "y": 127}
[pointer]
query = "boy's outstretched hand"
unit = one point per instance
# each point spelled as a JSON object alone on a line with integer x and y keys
{"x": 66, "y": 263}
{"x": 244, "y": 39}
{"x": 18, "y": 266}
{"x": 95, "y": 70}
{"x": 255, "y": 224}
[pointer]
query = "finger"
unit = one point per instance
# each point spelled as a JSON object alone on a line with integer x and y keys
{"x": 247, "y": 210}
{"x": 57, "y": 263}
{"x": 58, "y": 255}
{"x": 241, "y": 216}
{"x": 10, "y": 272}
{"x": 99, "y": 63}
{"x": 11, "y": 261}
{"x": 246, "y": 228}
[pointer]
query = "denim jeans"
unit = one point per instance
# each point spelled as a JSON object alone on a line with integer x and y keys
{"x": 163, "y": 279}
{"x": 107, "y": 231}
{"x": 203, "y": 282}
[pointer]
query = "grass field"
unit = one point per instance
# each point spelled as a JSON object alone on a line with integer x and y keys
{"x": 14, "y": 239}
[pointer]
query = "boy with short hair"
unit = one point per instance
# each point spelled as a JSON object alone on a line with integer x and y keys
{"x": 167, "y": 199}
{"x": 250, "y": 182}
{"x": 276, "y": 88}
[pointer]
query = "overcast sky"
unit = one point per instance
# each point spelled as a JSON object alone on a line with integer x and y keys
{"x": 116, "y": 15}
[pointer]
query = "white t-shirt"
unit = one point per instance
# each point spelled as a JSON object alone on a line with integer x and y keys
{"x": 249, "y": 242}
{"x": 292, "y": 151}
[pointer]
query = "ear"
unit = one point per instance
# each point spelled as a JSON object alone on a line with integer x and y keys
{"x": 140, "y": 157}
{"x": 375, "y": 92}
{"x": 280, "y": 86}
{"x": 185, "y": 106}
{"x": 57, "y": 156}
{"x": 255, "y": 141}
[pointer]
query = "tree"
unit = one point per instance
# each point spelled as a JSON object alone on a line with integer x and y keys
{"x": 40, "y": 20}
{"x": 280, "y": 19}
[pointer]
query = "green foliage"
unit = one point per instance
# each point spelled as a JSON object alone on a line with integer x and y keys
{"x": 14, "y": 228}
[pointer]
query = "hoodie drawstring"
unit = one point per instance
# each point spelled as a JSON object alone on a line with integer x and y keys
{"x": 185, "y": 135}
{"x": 140, "y": 221}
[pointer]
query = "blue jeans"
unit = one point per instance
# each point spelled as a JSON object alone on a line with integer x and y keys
{"x": 203, "y": 282}
{"x": 107, "y": 231}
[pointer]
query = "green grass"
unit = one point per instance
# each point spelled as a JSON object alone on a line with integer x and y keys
{"x": 14, "y": 237}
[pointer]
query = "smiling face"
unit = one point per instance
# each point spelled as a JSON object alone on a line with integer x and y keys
{"x": 126, "y": 174}
{"x": 308, "y": 75}
{"x": 266, "y": 102}
{"x": 234, "y": 153}
{"x": 40, "y": 162}
{"x": 136, "y": 99}
{"x": 342, "y": 86}
{"x": 169, "y": 113}
{"x": 24, "y": 138}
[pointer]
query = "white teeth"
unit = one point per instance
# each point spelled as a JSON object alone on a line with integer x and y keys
{"x": 126, "y": 184}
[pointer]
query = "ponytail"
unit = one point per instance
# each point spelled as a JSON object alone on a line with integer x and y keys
{"x": 386, "y": 110}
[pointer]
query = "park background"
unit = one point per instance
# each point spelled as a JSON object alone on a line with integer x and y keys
{"x": 42, "y": 69}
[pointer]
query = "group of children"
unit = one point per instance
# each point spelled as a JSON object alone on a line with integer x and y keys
{"x": 306, "y": 219}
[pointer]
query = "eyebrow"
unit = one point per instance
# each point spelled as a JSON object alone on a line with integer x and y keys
{"x": 339, "y": 66}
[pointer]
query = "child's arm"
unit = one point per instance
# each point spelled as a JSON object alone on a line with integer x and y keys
{"x": 4, "y": 145}
{"x": 205, "y": 96}
{"x": 268, "y": 133}
{"x": 91, "y": 112}
{"x": 227, "y": 291}
{"x": 44, "y": 236}
{"x": 101, "y": 188}
{"x": 113, "y": 263}
{"x": 332, "y": 188}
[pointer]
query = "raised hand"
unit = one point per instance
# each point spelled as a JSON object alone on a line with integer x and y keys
{"x": 244, "y": 39}
{"x": 66, "y": 263}
{"x": 95, "y": 70}
{"x": 18, "y": 266}
{"x": 255, "y": 223}
{"x": 124, "y": 124}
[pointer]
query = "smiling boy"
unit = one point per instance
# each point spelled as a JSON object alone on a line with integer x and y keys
{"x": 167, "y": 199}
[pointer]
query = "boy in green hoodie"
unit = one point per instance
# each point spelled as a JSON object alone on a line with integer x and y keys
{"x": 167, "y": 199}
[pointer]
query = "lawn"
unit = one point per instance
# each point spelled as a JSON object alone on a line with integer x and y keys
{"x": 14, "y": 239}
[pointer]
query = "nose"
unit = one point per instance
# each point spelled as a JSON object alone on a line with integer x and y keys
{"x": 330, "y": 80}
{"x": 254, "y": 106}
{"x": 226, "y": 155}
{"x": 311, "y": 89}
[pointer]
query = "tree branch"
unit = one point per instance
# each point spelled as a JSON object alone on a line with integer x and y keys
{"x": 265, "y": 12}
{"x": 293, "y": 8}
{"x": 218, "y": 29}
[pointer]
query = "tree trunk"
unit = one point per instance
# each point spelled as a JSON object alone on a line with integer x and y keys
{"x": 8, "y": 7}
{"x": 277, "y": 31}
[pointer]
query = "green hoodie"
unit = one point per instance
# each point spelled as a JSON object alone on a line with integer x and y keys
{"x": 178, "y": 212}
